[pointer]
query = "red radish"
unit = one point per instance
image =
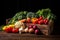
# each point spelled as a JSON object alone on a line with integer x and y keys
{"x": 36, "y": 31}
{"x": 15, "y": 30}
{"x": 31, "y": 30}
{"x": 34, "y": 27}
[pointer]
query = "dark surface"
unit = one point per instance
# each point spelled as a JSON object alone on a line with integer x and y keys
{"x": 13, "y": 6}
{"x": 17, "y": 36}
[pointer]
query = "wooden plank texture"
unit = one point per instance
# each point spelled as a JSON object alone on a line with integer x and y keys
{"x": 17, "y": 36}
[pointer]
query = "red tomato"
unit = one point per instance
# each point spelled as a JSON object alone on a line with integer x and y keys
{"x": 40, "y": 22}
{"x": 15, "y": 30}
{"x": 46, "y": 21}
{"x": 40, "y": 18}
{"x": 9, "y": 29}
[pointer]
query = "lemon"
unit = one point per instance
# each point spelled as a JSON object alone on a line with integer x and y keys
{"x": 4, "y": 27}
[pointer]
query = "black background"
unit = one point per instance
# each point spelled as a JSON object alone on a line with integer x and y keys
{"x": 13, "y": 6}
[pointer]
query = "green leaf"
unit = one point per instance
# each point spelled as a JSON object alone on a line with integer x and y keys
{"x": 1, "y": 27}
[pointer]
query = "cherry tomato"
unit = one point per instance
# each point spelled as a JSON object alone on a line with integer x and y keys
{"x": 15, "y": 30}
{"x": 9, "y": 29}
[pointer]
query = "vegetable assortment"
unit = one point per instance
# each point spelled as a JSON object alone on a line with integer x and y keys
{"x": 41, "y": 14}
{"x": 17, "y": 22}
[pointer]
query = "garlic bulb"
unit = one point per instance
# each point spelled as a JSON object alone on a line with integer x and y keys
{"x": 20, "y": 30}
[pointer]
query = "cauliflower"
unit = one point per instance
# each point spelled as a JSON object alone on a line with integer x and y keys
{"x": 19, "y": 24}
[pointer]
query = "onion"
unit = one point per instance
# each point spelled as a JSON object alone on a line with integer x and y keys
{"x": 31, "y": 30}
{"x": 36, "y": 31}
{"x": 34, "y": 27}
{"x": 26, "y": 30}
{"x": 30, "y": 26}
